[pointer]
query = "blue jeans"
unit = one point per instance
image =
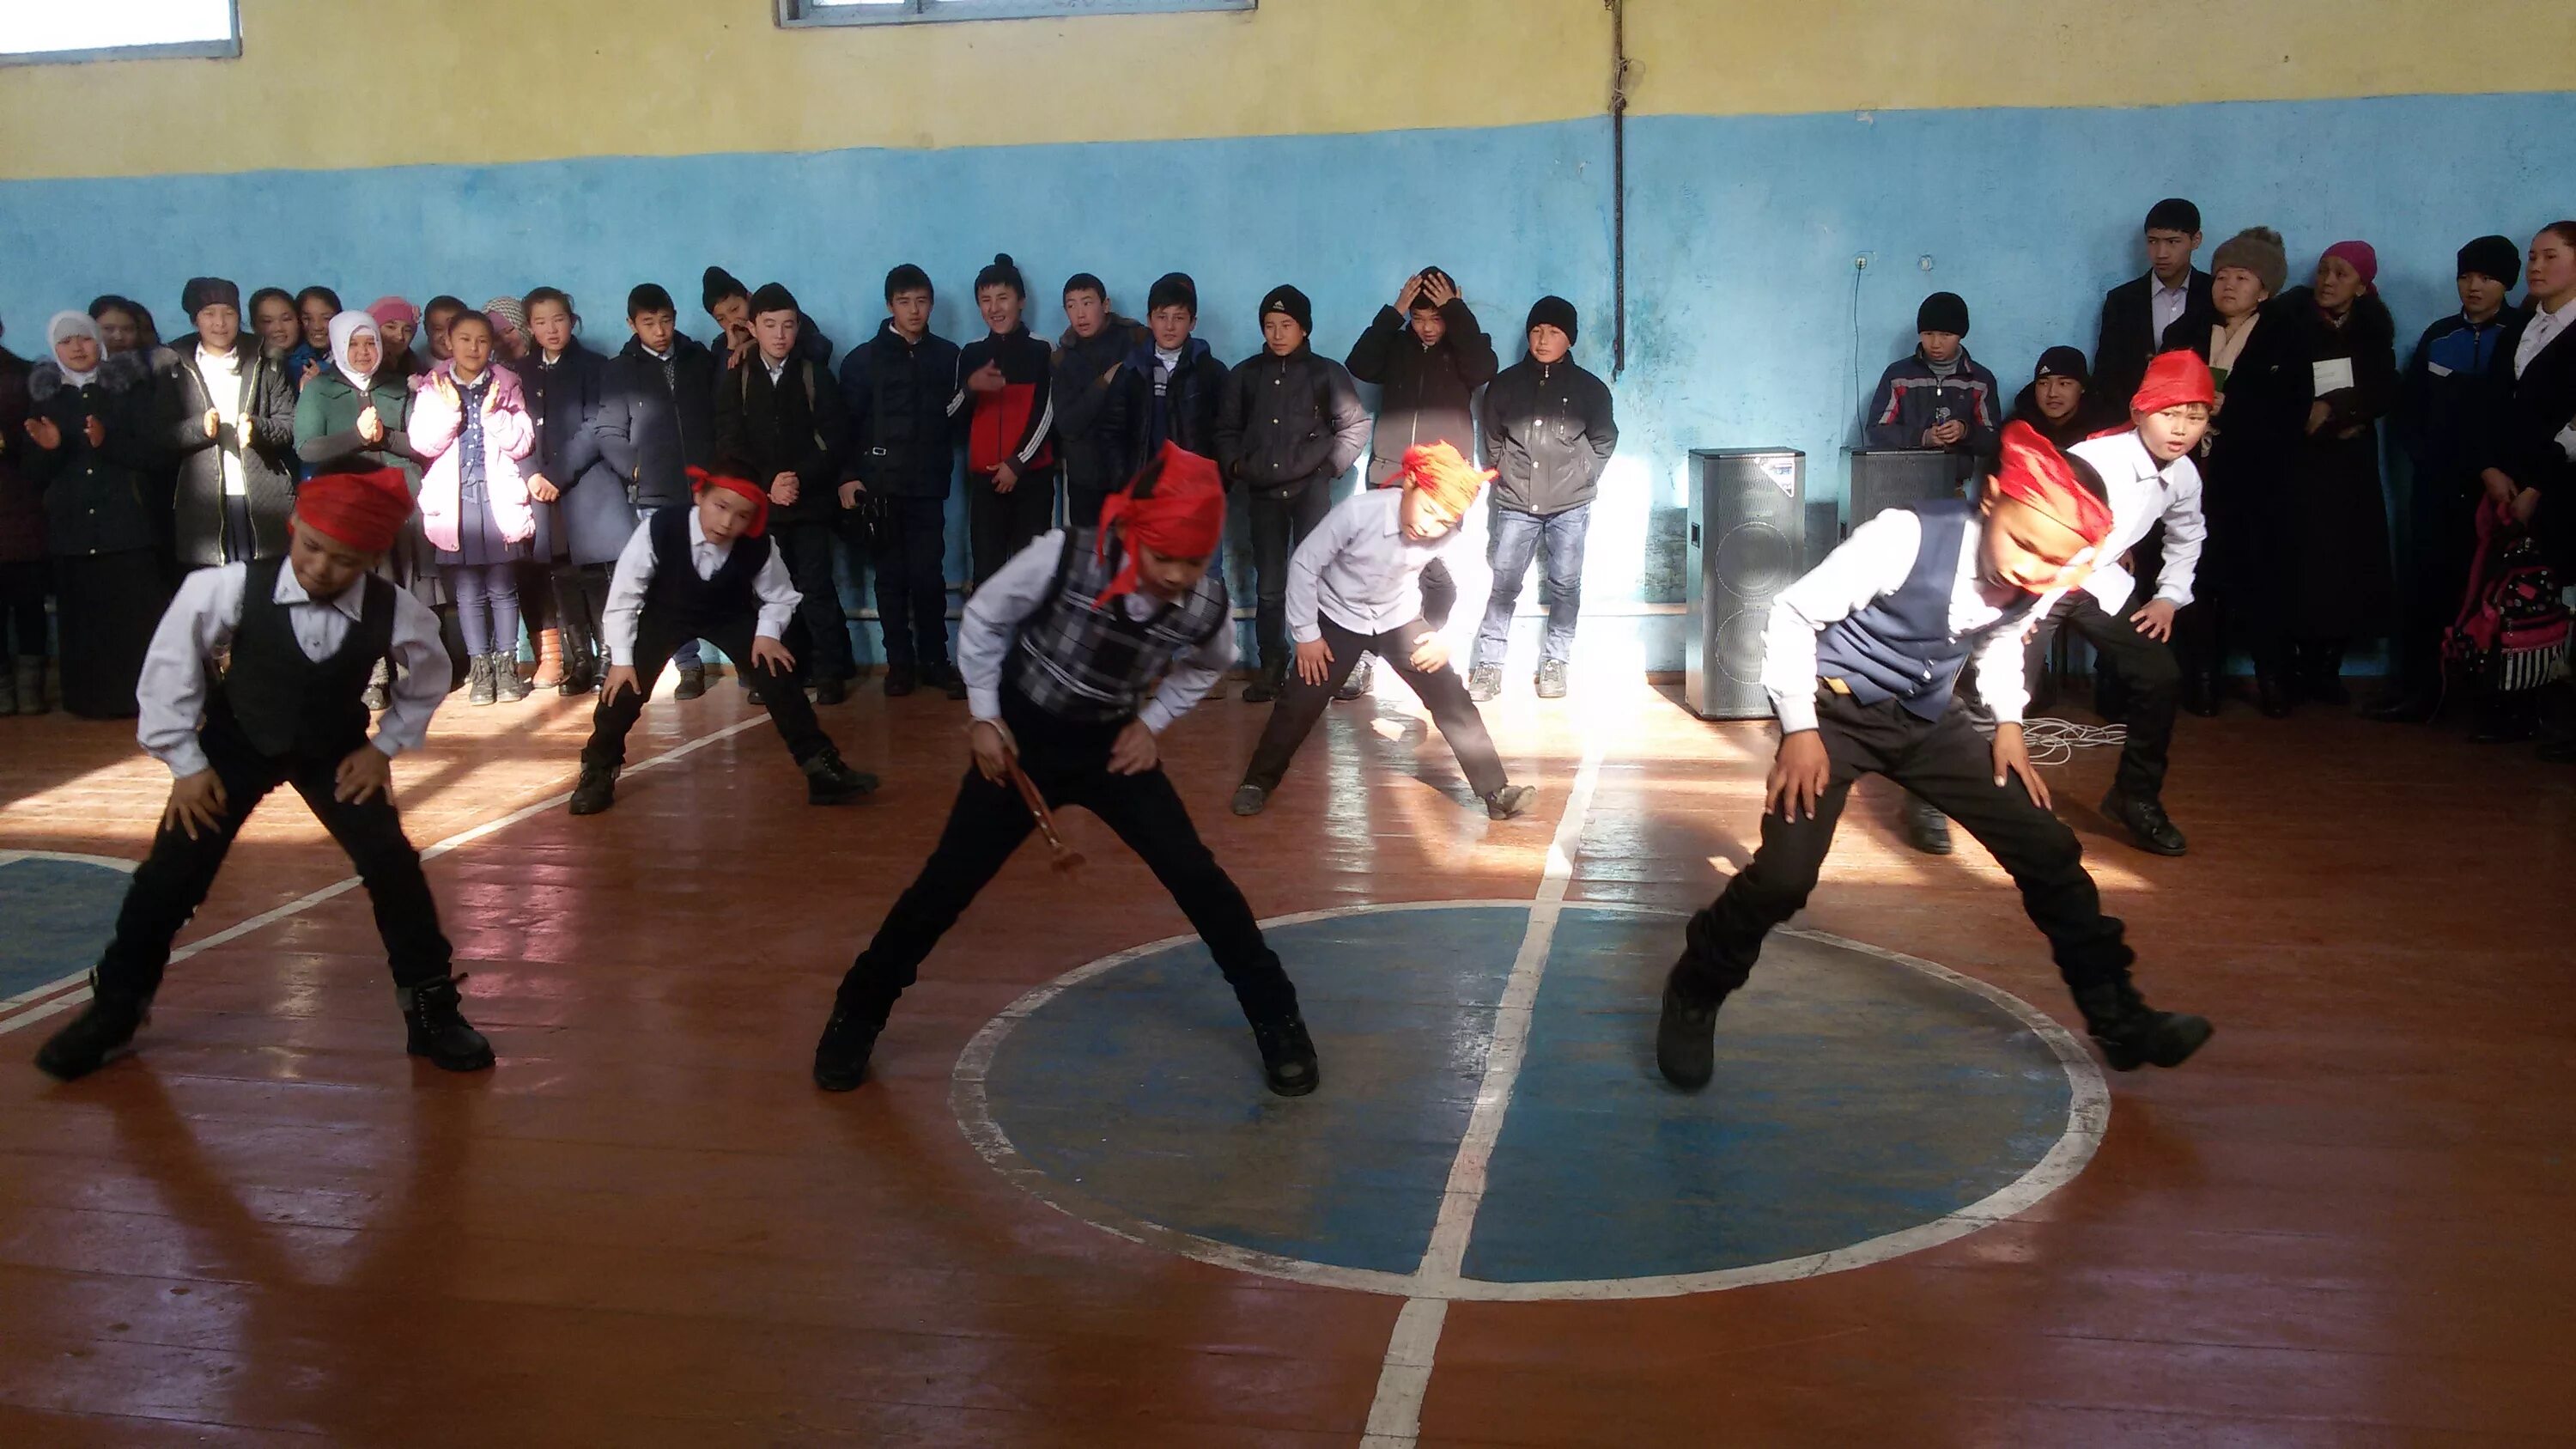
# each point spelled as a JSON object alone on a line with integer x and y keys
{"x": 1517, "y": 539}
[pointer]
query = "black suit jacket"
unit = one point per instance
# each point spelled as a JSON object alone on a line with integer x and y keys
{"x": 2522, "y": 440}
{"x": 2127, "y": 342}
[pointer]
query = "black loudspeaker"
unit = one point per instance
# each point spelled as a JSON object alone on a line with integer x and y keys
{"x": 1745, "y": 544}
{"x": 1885, "y": 478}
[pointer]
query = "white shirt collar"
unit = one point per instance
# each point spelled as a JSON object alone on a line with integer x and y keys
{"x": 350, "y": 601}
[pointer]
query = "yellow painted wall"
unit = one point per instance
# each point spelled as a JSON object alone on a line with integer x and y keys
{"x": 675, "y": 77}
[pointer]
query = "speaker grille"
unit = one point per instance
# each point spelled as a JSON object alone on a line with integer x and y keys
{"x": 1756, "y": 560}
{"x": 1739, "y": 647}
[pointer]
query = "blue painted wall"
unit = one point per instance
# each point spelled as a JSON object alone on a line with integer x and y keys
{"x": 1749, "y": 323}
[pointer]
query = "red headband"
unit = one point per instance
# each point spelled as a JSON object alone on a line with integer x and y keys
{"x": 363, "y": 510}
{"x": 700, "y": 480}
{"x": 2173, "y": 379}
{"x": 1441, "y": 471}
{"x": 2038, "y": 476}
{"x": 1183, "y": 517}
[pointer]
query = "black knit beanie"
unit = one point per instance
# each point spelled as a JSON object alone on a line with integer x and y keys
{"x": 718, "y": 285}
{"x": 2063, "y": 362}
{"x": 772, "y": 298}
{"x": 1555, "y": 312}
{"x": 1293, "y": 302}
{"x": 1942, "y": 312}
{"x": 1172, "y": 289}
{"x": 1002, "y": 273}
{"x": 204, "y": 292}
{"x": 2493, "y": 256}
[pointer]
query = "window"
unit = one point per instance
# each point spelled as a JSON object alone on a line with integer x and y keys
{"x": 34, "y": 31}
{"x": 901, "y": 12}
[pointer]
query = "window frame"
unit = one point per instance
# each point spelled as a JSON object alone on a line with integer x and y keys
{"x": 158, "y": 50}
{"x": 814, "y": 15}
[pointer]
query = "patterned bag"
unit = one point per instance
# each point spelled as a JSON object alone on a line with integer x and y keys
{"x": 2512, "y": 631}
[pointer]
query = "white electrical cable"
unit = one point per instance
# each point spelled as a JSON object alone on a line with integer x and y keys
{"x": 2055, "y": 741}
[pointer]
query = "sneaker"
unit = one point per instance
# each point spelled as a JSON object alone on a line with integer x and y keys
{"x": 830, "y": 782}
{"x": 1510, "y": 802}
{"x": 1551, "y": 679}
{"x": 1686, "y": 1041}
{"x": 2146, "y": 820}
{"x": 900, "y": 680}
{"x": 435, "y": 1027}
{"x": 102, "y": 1032}
{"x": 1926, "y": 829}
{"x": 1250, "y": 799}
{"x": 2133, "y": 1034}
{"x": 1358, "y": 684}
{"x": 693, "y": 682}
{"x": 1287, "y": 1056}
{"x": 1485, "y": 682}
{"x": 841, "y": 1057}
{"x": 595, "y": 791}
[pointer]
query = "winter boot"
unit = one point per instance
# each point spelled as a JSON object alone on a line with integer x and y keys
{"x": 2133, "y": 1034}
{"x": 830, "y": 782}
{"x": 436, "y": 1028}
{"x": 480, "y": 686}
{"x": 1287, "y": 1055}
{"x": 550, "y": 659}
{"x": 102, "y": 1032}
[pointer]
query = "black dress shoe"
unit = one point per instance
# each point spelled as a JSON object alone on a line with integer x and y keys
{"x": 2200, "y": 694}
{"x": 2271, "y": 696}
{"x": 830, "y": 689}
{"x": 595, "y": 791}
{"x": 2145, "y": 820}
{"x": 830, "y": 782}
{"x": 900, "y": 680}
{"x": 1926, "y": 829}
{"x": 2133, "y": 1034}
{"x": 1261, "y": 688}
{"x": 841, "y": 1057}
{"x": 1288, "y": 1062}
{"x": 1686, "y": 1041}
{"x": 948, "y": 678}
{"x": 102, "y": 1032}
{"x": 435, "y": 1027}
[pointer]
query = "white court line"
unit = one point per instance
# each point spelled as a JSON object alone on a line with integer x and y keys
{"x": 1395, "y": 1414}
{"x": 343, "y": 886}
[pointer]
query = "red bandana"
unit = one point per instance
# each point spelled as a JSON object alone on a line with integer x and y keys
{"x": 700, "y": 480}
{"x": 2036, "y": 474}
{"x": 1180, "y": 515}
{"x": 363, "y": 510}
{"x": 2173, "y": 379}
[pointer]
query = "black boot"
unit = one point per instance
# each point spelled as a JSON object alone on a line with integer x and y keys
{"x": 436, "y": 1028}
{"x": 693, "y": 682}
{"x": 830, "y": 782}
{"x": 841, "y": 1057}
{"x": 2272, "y": 693}
{"x": 900, "y": 680}
{"x": 1287, "y": 1056}
{"x": 2200, "y": 693}
{"x": 480, "y": 684}
{"x": 1686, "y": 1039}
{"x": 2132, "y": 1033}
{"x": 2324, "y": 674}
{"x": 2146, "y": 820}
{"x": 102, "y": 1032}
{"x": 1926, "y": 829}
{"x": 596, "y": 790}
{"x": 1263, "y": 686}
{"x": 830, "y": 689}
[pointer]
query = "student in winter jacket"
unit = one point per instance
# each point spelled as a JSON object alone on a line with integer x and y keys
{"x": 2529, "y": 461}
{"x": 2342, "y": 580}
{"x": 1088, "y": 356}
{"x": 1939, "y": 397}
{"x": 1171, "y": 385}
{"x": 123, "y": 325}
{"x": 227, "y": 413}
{"x": 469, "y": 423}
{"x": 728, "y": 305}
{"x": 657, "y": 420}
{"x": 779, "y": 416}
{"x": 23, "y": 575}
{"x": 94, "y": 456}
{"x": 1428, "y": 356}
{"x": 1548, "y": 434}
{"x": 2060, "y": 403}
{"x": 2444, "y": 407}
{"x": 2139, "y": 316}
{"x": 1290, "y": 423}
{"x": 583, "y": 514}
{"x": 356, "y": 418}
{"x": 1006, "y": 390}
{"x": 280, "y": 331}
{"x": 897, "y": 388}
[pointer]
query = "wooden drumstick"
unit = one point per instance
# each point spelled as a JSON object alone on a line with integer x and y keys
{"x": 1064, "y": 857}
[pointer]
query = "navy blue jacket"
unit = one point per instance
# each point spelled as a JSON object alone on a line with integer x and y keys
{"x": 903, "y": 439}
{"x": 590, "y": 523}
{"x": 653, "y": 426}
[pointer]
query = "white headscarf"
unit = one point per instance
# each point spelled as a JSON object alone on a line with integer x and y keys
{"x": 73, "y": 324}
{"x": 344, "y": 326}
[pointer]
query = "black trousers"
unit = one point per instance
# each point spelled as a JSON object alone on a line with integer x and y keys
{"x": 2154, "y": 682}
{"x": 807, "y": 547}
{"x": 2442, "y": 545}
{"x": 1278, "y": 526}
{"x": 581, "y": 599}
{"x": 999, "y": 525}
{"x": 783, "y": 695}
{"x": 1443, "y": 693}
{"x": 1082, "y": 505}
{"x": 22, "y": 605}
{"x": 1070, "y": 766}
{"x": 537, "y": 607}
{"x": 172, "y": 882}
{"x": 911, "y": 558}
{"x": 1948, "y": 764}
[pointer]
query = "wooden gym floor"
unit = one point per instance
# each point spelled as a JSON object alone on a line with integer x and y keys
{"x": 2349, "y": 1222}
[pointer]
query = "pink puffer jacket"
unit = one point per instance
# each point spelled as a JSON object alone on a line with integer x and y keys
{"x": 507, "y": 437}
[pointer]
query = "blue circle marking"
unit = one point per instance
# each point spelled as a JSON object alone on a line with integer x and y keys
{"x": 60, "y": 909}
{"x": 1866, "y": 1105}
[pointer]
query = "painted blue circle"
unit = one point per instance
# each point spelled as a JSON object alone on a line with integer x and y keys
{"x": 59, "y": 913}
{"x": 1857, "y": 1096}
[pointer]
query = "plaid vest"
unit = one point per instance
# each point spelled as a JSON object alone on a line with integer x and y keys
{"x": 1083, "y": 662}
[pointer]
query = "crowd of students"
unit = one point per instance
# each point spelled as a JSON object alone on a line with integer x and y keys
{"x": 127, "y": 462}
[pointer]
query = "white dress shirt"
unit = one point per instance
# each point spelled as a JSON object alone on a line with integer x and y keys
{"x": 1872, "y": 564}
{"x": 2142, "y": 493}
{"x": 2165, "y": 305}
{"x": 2539, "y": 332}
{"x": 1001, "y": 603}
{"x": 1360, "y": 570}
{"x": 625, "y": 611}
{"x": 222, "y": 372}
{"x": 201, "y": 621}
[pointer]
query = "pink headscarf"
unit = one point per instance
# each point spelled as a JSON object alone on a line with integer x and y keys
{"x": 393, "y": 309}
{"x": 2362, "y": 259}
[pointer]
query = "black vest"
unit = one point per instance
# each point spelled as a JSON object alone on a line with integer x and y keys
{"x": 691, "y": 604}
{"x": 1084, "y": 661}
{"x": 284, "y": 703}
{"x": 1900, "y": 646}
